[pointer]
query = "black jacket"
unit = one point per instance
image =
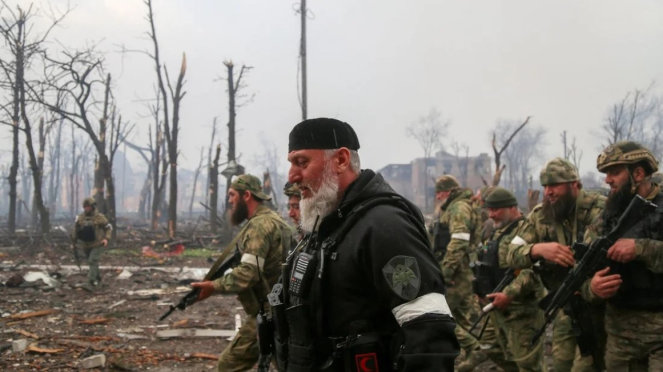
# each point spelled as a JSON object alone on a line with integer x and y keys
{"x": 357, "y": 284}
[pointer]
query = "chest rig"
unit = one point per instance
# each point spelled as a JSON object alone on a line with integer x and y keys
{"x": 85, "y": 229}
{"x": 487, "y": 271}
{"x": 300, "y": 340}
{"x": 641, "y": 288}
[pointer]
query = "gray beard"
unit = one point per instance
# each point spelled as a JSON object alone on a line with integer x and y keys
{"x": 321, "y": 203}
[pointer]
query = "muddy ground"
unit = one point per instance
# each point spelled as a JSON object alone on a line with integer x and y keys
{"x": 115, "y": 319}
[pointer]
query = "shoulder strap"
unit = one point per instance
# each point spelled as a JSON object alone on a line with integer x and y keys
{"x": 510, "y": 228}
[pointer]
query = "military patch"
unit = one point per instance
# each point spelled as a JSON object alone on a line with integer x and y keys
{"x": 403, "y": 276}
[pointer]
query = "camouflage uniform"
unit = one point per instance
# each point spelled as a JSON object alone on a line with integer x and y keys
{"x": 91, "y": 229}
{"x": 539, "y": 229}
{"x": 634, "y": 337}
{"x": 262, "y": 243}
{"x": 516, "y": 325}
{"x": 463, "y": 224}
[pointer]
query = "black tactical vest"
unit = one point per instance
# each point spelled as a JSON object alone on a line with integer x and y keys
{"x": 641, "y": 288}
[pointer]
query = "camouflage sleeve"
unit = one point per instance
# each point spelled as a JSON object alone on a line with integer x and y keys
{"x": 651, "y": 252}
{"x": 460, "y": 220}
{"x": 518, "y": 254}
{"x": 587, "y": 294}
{"x": 525, "y": 283}
{"x": 254, "y": 246}
{"x": 106, "y": 226}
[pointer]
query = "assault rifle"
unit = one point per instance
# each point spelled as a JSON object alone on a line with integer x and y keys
{"x": 506, "y": 280}
{"x": 594, "y": 259}
{"x": 76, "y": 258}
{"x": 215, "y": 272}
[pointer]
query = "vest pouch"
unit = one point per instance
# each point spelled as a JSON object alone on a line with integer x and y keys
{"x": 86, "y": 233}
{"x": 482, "y": 283}
{"x": 301, "y": 351}
{"x": 364, "y": 350}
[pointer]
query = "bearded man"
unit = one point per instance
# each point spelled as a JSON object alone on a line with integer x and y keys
{"x": 363, "y": 290}
{"x": 261, "y": 241}
{"x": 545, "y": 239}
{"x": 632, "y": 285}
{"x": 294, "y": 197}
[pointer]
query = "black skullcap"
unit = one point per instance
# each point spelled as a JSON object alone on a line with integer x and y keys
{"x": 322, "y": 134}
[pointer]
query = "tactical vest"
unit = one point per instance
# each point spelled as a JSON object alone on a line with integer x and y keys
{"x": 487, "y": 271}
{"x": 441, "y": 239}
{"x": 552, "y": 275}
{"x": 86, "y": 229}
{"x": 641, "y": 288}
{"x": 298, "y": 313}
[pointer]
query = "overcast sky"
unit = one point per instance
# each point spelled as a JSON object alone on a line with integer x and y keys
{"x": 379, "y": 64}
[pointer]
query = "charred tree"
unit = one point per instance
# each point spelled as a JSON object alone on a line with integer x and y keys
{"x": 214, "y": 191}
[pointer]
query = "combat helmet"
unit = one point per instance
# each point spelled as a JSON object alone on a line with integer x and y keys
{"x": 89, "y": 201}
{"x": 558, "y": 170}
{"x": 626, "y": 152}
{"x": 446, "y": 183}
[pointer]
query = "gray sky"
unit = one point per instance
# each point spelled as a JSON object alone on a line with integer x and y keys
{"x": 379, "y": 64}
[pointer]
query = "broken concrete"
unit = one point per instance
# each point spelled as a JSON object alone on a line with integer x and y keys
{"x": 94, "y": 361}
{"x": 19, "y": 345}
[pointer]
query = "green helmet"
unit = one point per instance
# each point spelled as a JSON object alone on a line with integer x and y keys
{"x": 291, "y": 190}
{"x": 500, "y": 197}
{"x": 89, "y": 202}
{"x": 446, "y": 183}
{"x": 625, "y": 152}
{"x": 558, "y": 170}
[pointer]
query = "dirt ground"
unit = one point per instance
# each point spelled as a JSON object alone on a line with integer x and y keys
{"x": 115, "y": 319}
{"x": 125, "y": 333}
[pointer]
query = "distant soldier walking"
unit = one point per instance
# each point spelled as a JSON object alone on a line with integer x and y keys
{"x": 94, "y": 231}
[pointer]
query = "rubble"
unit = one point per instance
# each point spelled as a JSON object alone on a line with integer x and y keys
{"x": 94, "y": 361}
{"x": 190, "y": 332}
{"x": 19, "y": 345}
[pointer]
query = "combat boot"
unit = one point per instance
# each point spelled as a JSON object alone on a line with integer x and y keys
{"x": 472, "y": 360}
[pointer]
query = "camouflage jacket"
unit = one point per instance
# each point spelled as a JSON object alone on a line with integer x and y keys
{"x": 262, "y": 244}
{"x": 526, "y": 290}
{"x": 538, "y": 229}
{"x": 464, "y": 225}
{"x": 91, "y": 229}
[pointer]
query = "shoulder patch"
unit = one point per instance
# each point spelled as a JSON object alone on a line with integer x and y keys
{"x": 403, "y": 276}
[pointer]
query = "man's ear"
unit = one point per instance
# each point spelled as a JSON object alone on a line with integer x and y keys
{"x": 246, "y": 196}
{"x": 638, "y": 174}
{"x": 342, "y": 160}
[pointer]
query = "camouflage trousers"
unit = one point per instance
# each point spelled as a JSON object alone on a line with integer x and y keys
{"x": 93, "y": 254}
{"x": 464, "y": 308}
{"x": 635, "y": 340}
{"x": 514, "y": 334}
{"x": 565, "y": 353}
{"x": 243, "y": 352}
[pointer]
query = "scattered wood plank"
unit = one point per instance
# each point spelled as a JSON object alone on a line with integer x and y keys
{"x": 86, "y": 345}
{"x": 181, "y": 323}
{"x": 91, "y": 338}
{"x": 43, "y": 351}
{"x": 27, "y": 334}
{"x": 33, "y": 314}
{"x": 204, "y": 356}
{"x": 189, "y": 332}
{"x": 117, "y": 304}
{"x": 94, "y": 321}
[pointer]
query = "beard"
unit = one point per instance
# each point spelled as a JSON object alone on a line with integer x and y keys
{"x": 619, "y": 200}
{"x": 321, "y": 203}
{"x": 559, "y": 210}
{"x": 240, "y": 213}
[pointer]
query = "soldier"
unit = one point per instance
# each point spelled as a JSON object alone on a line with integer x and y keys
{"x": 261, "y": 241}
{"x": 518, "y": 316}
{"x": 633, "y": 284}
{"x": 549, "y": 230}
{"x": 294, "y": 196}
{"x": 362, "y": 291}
{"x": 457, "y": 235}
{"x": 94, "y": 231}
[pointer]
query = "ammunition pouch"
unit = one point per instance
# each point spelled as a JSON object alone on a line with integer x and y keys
{"x": 86, "y": 233}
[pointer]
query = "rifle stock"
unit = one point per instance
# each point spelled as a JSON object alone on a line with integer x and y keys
{"x": 594, "y": 259}
{"x": 215, "y": 272}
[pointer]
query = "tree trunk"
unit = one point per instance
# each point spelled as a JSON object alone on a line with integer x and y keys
{"x": 302, "y": 54}
{"x": 110, "y": 194}
{"x": 195, "y": 182}
{"x": 214, "y": 190}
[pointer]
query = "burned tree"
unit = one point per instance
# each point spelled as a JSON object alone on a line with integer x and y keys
{"x": 171, "y": 129}
{"x": 499, "y": 167}
{"x": 428, "y": 131}
{"x": 214, "y": 191}
{"x": 15, "y": 29}
{"x": 195, "y": 182}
